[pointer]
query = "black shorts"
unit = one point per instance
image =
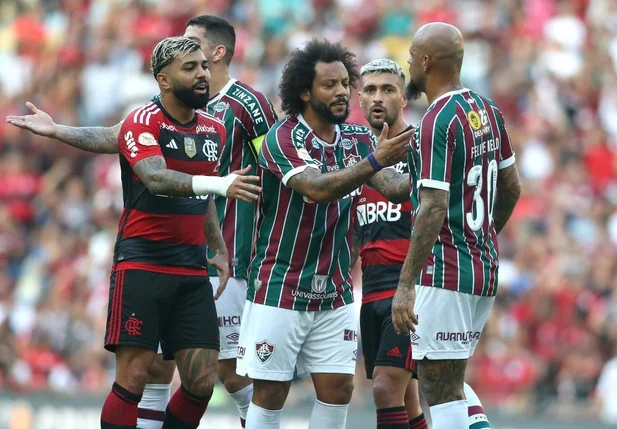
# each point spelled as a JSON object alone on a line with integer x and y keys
{"x": 145, "y": 307}
{"x": 381, "y": 345}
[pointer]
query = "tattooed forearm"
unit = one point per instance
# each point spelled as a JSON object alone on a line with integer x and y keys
{"x": 506, "y": 197}
{"x": 326, "y": 187}
{"x": 213, "y": 228}
{"x": 159, "y": 180}
{"x": 90, "y": 139}
{"x": 442, "y": 380}
{"x": 355, "y": 245}
{"x": 197, "y": 368}
{"x": 428, "y": 223}
{"x": 391, "y": 184}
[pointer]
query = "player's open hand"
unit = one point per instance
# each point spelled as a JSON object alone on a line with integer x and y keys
{"x": 221, "y": 263}
{"x": 39, "y": 122}
{"x": 403, "y": 316}
{"x": 243, "y": 187}
{"x": 394, "y": 150}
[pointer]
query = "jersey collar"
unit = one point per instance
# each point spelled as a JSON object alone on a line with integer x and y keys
{"x": 324, "y": 143}
{"x": 448, "y": 94}
{"x": 223, "y": 91}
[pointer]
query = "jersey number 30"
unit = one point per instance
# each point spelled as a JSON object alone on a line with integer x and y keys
{"x": 475, "y": 218}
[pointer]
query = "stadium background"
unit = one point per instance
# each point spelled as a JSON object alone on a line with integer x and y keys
{"x": 548, "y": 357}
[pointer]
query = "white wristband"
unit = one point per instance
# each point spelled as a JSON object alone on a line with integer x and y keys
{"x": 204, "y": 185}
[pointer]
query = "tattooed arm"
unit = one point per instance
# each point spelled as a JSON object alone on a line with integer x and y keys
{"x": 355, "y": 245}
{"x": 326, "y": 187}
{"x": 506, "y": 197}
{"x": 392, "y": 185}
{"x": 212, "y": 229}
{"x": 216, "y": 243}
{"x": 160, "y": 180}
{"x": 90, "y": 139}
{"x": 428, "y": 223}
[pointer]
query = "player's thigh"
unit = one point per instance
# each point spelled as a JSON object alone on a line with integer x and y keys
{"x": 482, "y": 310}
{"x": 229, "y": 308}
{"x": 192, "y": 320}
{"x": 270, "y": 340}
{"x": 445, "y": 328}
{"x": 133, "y": 313}
{"x": 331, "y": 346}
{"x": 394, "y": 350}
{"x": 370, "y": 329}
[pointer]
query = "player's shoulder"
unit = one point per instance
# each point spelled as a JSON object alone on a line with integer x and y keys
{"x": 146, "y": 115}
{"x": 246, "y": 96}
{"x": 206, "y": 119}
{"x": 355, "y": 133}
{"x": 287, "y": 129}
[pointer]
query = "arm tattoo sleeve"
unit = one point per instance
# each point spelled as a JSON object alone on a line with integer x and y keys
{"x": 428, "y": 223}
{"x": 90, "y": 139}
{"x": 392, "y": 185}
{"x": 213, "y": 229}
{"x": 330, "y": 186}
{"x": 355, "y": 245}
{"x": 506, "y": 197}
{"x": 159, "y": 180}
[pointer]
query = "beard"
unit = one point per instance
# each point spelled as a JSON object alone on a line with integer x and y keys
{"x": 325, "y": 111}
{"x": 190, "y": 98}
{"x": 413, "y": 90}
{"x": 378, "y": 123}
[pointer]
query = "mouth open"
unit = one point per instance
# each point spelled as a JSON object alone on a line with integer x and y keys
{"x": 202, "y": 88}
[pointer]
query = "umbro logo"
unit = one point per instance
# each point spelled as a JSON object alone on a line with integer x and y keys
{"x": 172, "y": 144}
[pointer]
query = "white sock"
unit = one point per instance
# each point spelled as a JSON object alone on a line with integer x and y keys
{"x": 243, "y": 399}
{"x": 152, "y": 406}
{"x": 477, "y": 418}
{"x": 451, "y": 415}
{"x": 328, "y": 416}
{"x": 260, "y": 418}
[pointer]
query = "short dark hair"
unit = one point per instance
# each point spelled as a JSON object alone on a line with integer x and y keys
{"x": 299, "y": 72}
{"x": 218, "y": 32}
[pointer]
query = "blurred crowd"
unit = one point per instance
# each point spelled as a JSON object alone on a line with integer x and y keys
{"x": 551, "y": 343}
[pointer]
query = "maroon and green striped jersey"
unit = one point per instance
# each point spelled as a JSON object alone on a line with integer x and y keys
{"x": 247, "y": 115}
{"x": 303, "y": 249}
{"x": 460, "y": 145}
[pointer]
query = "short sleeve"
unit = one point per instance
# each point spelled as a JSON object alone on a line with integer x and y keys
{"x": 506, "y": 151}
{"x": 435, "y": 144}
{"x": 282, "y": 157}
{"x": 138, "y": 140}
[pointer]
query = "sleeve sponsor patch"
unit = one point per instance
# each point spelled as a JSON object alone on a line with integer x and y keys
{"x": 147, "y": 139}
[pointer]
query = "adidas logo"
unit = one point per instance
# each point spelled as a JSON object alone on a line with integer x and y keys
{"x": 395, "y": 352}
{"x": 172, "y": 144}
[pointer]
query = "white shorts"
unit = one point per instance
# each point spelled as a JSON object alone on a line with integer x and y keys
{"x": 229, "y": 308}
{"x": 274, "y": 341}
{"x": 449, "y": 323}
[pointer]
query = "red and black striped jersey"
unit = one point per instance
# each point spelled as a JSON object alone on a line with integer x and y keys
{"x": 384, "y": 229}
{"x": 157, "y": 232}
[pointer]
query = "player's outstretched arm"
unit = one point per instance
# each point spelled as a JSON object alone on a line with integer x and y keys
{"x": 507, "y": 195}
{"x": 215, "y": 241}
{"x": 160, "y": 180}
{"x": 427, "y": 225}
{"x": 327, "y": 187}
{"x": 90, "y": 139}
{"x": 392, "y": 185}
